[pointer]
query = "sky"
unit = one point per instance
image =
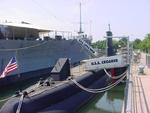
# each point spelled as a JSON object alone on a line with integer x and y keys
{"x": 126, "y": 17}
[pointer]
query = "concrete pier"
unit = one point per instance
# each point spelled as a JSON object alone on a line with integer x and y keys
{"x": 137, "y": 98}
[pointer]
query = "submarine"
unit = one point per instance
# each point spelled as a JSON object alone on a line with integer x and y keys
{"x": 61, "y": 92}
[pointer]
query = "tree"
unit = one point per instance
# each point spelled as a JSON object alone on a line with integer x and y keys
{"x": 100, "y": 44}
{"x": 137, "y": 44}
{"x": 122, "y": 42}
{"x": 145, "y": 45}
{"x": 116, "y": 44}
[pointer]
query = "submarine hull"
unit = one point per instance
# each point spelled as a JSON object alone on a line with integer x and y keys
{"x": 66, "y": 98}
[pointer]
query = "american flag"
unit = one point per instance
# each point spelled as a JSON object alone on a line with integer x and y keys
{"x": 11, "y": 66}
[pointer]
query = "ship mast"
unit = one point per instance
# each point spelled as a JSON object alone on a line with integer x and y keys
{"x": 80, "y": 29}
{"x": 109, "y": 27}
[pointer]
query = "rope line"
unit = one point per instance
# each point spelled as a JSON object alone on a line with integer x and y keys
{"x": 6, "y": 98}
{"x": 98, "y": 90}
{"x": 115, "y": 77}
{"x": 105, "y": 87}
{"x": 20, "y": 103}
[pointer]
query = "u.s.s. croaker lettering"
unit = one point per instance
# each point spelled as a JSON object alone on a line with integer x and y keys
{"x": 105, "y": 62}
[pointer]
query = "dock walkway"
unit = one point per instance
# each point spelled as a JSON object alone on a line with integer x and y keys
{"x": 140, "y": 89}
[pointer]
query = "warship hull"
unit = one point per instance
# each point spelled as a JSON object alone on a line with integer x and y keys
{"x": 37, "y": 58}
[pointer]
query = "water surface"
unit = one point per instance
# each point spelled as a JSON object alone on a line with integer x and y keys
{"x": 108, "y": 102}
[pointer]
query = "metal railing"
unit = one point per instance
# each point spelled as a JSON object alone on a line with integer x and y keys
{"x": 128, "y": 96}
{"x": 148, "y": 60}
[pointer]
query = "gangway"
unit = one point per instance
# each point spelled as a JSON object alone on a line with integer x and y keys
{"x": 85, "y": 45}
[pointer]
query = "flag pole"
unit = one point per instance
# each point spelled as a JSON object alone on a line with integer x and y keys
{"x": 18, "y": 69}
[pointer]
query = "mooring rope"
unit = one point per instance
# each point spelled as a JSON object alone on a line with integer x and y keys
{"x": 20, "y": 103}
{"x": 7, "y": 98}
{"x": 115, "y": 77}
{"x": 98, "y": 90}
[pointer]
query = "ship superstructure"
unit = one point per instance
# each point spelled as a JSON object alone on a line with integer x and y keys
{"x": 35, "y": 53}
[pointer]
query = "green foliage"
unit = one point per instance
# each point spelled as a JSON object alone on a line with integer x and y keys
{"x": 122, "y": 42}
{"x": 115, "y": 44}
{"x": 143, "y": 45}
{"x": 100, "y": 44}
{"x": 137, "y": 43}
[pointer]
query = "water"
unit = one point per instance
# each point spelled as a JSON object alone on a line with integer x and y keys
{"x": 108, "y": 102}
{"x": 10, "y": 90}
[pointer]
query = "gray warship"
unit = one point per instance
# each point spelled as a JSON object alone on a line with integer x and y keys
{"x": 35, "y": 55}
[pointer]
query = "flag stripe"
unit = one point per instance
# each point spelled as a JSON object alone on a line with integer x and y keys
{"x": 11, "y": 66}
{"x": 11, "y": 69}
